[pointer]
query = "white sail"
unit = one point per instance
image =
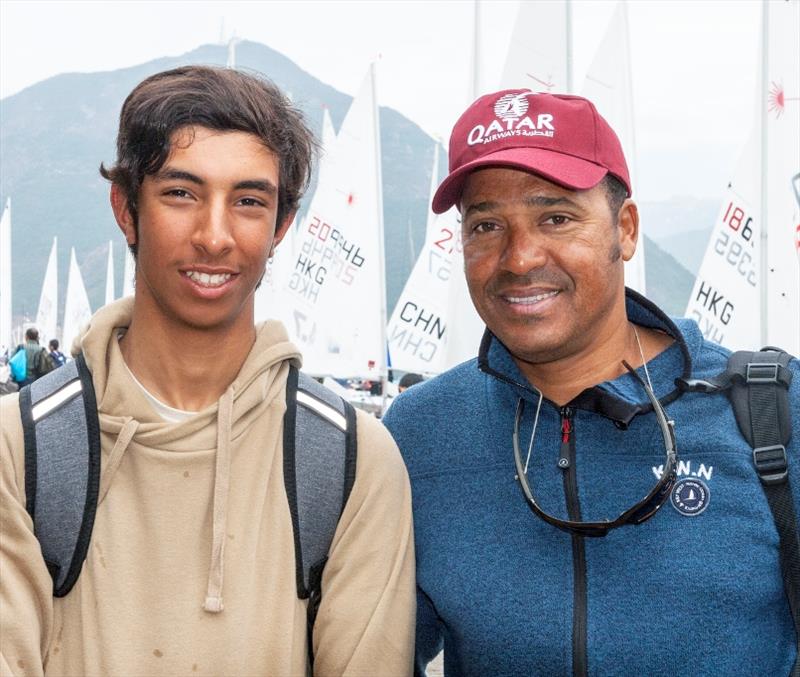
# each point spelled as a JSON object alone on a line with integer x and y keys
{"x": 747, "y": 294}
{"x": 336, "y": 285}
{"x": 47, "y": 314}
{"x": 77, "y": 311}
{"x": 780, "y": 106}
{"x": 231, "y": 60}
{"x": 6, "y": 340}
{"x": 270, "y": 301}
{"x": 418, "y": 328}
{"x": 434, "y": 325}
{"x": 430, "y": 226}
{"x": 539, "y": 52}
{"x": 328, "y": 139}
{"x": 129, "y": 274}
{"x": 724, "y": 299}
{"x": 608, "y": 85}
{"x": 110, "y": 296}
{"x": 465, "y": 327}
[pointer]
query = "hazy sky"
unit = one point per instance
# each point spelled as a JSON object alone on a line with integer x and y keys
{"x": 694, "y": 63}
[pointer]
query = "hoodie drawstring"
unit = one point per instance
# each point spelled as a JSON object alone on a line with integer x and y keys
{"x": 124, "y": 438}
{"x": 213, "y": 602}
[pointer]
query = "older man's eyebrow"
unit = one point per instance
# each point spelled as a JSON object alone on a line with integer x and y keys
{"x": 528, "y": 201}
{"x": 549, "y": 201}
{"x": 480, "y": 207}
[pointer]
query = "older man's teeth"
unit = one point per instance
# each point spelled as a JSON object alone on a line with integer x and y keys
{"x": 207, "y": 280}
{"x": 530, "y": 299}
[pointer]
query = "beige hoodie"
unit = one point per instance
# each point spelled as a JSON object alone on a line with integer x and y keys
{"x": 191, "y": 566}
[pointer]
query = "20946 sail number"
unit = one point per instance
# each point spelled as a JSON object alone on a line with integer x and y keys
{"x": 737, "y": 251}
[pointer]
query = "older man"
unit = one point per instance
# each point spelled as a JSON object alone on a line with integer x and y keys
{"x": 521, "y": 459}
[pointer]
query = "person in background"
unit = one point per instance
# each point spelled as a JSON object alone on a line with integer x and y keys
{"x": 38, "y": 359}
{"x": 407, "y": 380}
{"x": 59, "y": 359}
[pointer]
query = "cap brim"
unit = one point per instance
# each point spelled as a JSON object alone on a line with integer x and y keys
{"x": 565, "y": 170}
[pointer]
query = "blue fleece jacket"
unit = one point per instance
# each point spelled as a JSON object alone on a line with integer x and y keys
{"x": 695, "y": 590}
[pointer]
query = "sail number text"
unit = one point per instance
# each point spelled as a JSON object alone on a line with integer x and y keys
{"x": 440, "y": 260}
{"x": 730, "y": 247}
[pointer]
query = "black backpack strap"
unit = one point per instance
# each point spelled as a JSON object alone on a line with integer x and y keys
{"x": 758, "y": 388}
{"x": 319, "y": 466}
{"x": 61, "y": 432}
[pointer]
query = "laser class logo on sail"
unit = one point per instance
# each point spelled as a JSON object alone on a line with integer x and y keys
{"x": 511, "y": 119}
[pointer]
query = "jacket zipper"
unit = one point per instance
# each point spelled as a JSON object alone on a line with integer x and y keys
{"x": 566, "y": 462}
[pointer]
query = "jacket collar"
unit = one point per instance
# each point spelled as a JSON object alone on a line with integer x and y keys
{"x": 622, "y": 399}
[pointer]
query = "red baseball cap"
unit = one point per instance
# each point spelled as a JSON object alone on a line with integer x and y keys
{"x": 560, "y": 137}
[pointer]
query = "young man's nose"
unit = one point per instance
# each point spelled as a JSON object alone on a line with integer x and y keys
{"x": 213, "y": 232}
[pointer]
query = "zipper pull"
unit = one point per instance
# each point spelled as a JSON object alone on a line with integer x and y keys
{"x": 566, "y": 430}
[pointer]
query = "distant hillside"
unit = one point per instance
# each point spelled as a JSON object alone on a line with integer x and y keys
{"x": 669, "y": 284}
{"x": 688, "y": 248}
{"x": 679, "y": 214}
{"x": 55, "y": 134}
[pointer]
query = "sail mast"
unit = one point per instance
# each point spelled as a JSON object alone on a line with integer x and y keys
{"x": 568, "y": 19}
{"x": 763, "y": 273}
{"x": 376, "y": 130}
{"x": 77, "y": 311}
{"x": 475, "y": 79}
{"x": 47, "y": 314}
{"x": 5, "y": 277}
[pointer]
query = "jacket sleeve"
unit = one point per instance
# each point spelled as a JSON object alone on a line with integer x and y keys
{"x": 26, "y": 589}
{"x": 365, "y": 624}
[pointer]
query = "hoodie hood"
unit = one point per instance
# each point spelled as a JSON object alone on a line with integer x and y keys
{"x": 126, "y": 414}
{"x": 260, "y": 379}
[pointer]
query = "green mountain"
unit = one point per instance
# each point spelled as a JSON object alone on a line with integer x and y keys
{"x": 669, "y": 284}
{"x": 688, "y": 247}
{"x": 54, "y": 134}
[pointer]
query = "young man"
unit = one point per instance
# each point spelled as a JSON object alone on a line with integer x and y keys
{"x": 191, "y": 565}
{"x": 520, "y": 459}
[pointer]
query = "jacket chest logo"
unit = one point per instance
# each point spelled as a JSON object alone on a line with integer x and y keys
{"x": 691, "y": 494}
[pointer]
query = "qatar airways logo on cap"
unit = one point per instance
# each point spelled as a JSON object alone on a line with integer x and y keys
{"x": 511, "y": 119}
{"x": 511, "y": 106}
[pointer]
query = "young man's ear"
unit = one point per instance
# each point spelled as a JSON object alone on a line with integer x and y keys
{"x": 122, "y": 213}
{"x": 628, "y": 228}
{"x": 281, "y": 230}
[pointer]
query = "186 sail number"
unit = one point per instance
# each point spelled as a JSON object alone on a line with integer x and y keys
{"x": 739, "y": 222}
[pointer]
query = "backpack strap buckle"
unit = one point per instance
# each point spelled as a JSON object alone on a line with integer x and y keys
{"x": 772, "y": 464}
{"x": 762, "y": 372}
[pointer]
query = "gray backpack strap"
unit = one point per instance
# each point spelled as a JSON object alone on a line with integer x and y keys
{"x": 62, "y": 467}
{"x": 319, "y": 466}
